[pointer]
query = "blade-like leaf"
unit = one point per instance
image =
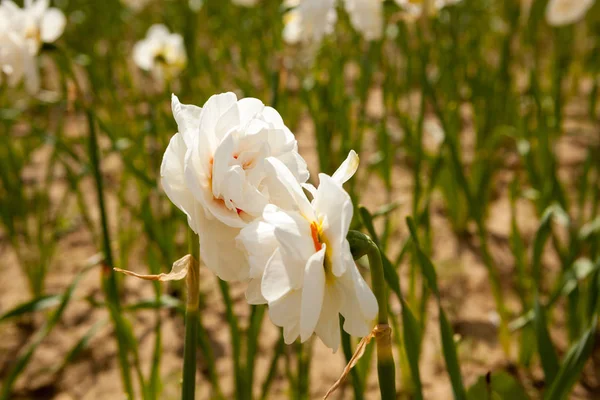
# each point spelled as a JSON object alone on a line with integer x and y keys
{"x": 411, "y": 330}
{"x": 572, "y": 365}
{"x": 38, "y": 304}
{"x": 546, "y": 349}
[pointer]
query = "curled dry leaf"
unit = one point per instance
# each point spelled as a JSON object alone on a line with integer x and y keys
{"x": 178, "y": 271}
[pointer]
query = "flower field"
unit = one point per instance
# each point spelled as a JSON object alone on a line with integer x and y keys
{"x": 299, "y": 199}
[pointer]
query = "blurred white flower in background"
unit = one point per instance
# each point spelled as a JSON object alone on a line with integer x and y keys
{"x": 308, "y": 21}
{"x": 366, "y": 17}
{"x": 16, "y": 61}
{"x": 301, "y": 263}
{"x": 245, "y": 3}
{"x": 564, "y": 12}
{"x": 136, "y": 5}
{"x": 415, "y": 8}
{"x": 160, "y": 52}
{"x": 22, "y": 33}
{"x": 214, "y": 170}
{"x": 36, "y": 22}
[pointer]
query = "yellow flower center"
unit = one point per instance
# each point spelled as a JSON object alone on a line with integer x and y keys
{"x": 316, "y": 231}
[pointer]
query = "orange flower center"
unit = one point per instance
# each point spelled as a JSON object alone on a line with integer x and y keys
{"x": 314, "y": 231}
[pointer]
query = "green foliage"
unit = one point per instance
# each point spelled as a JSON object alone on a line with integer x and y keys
{"x": 503, "y": 86}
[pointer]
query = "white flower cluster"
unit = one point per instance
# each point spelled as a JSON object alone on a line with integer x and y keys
{"x": 309, "y": 21}
{"x": 235, "y": 171}
{"x": 22, "y": 33}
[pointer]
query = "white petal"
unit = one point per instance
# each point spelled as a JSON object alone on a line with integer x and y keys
{"x": 222, "y": 159}
{"x": 219, "y": 252}
{"x": 187, "y": 117}
{"x": 313, "y": 292}
{"x": 293, "y": 234}
{"x": 249, "y": 108}
{"x": 310, "y": 188}
{"x": 284, "y": 189}
{"x": 334, "y": 206}
{"x": 212, "y": 111}
{"x": 158, "y": 31}
{"x": 285, "y": 312}
{"x": 52, "y": 25}
{"x": 253, "y": 294}
{"x": 258, "y": 240}
{"x": 296, "y": 164}
{"x": 292, "y": 31}
{"x": 328, "y": 327}
{"x": 564, "y": 12}
{"x": 272, "y": 116}
{"x": 31, "y": 73}
{"x": 143, "y": 54}
{"x": 280, "y": 277}
{"x": 347, "y": 169}
{"x": 173, "y": 180}
{"x": 37, "y": 8}
{"x": 359, "y": 306}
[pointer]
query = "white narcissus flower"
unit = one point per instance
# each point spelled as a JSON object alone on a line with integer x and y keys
{"x": 36, "y": 22}
{"x": 16, "y": 61}
{"x": 160, "y": 52}
{"x": 309, "y": 20}
{"x": 22, "y": 32}
{"x": 564, "y": 12}
{"x": 245, "y": 3}
{"x": 215, "y": 171}
{"x": 301, "y": 263}
{"x": 415, "y": 8}
{"x": 367, "y": 17}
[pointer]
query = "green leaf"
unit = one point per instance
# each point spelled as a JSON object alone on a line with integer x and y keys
{"x": 411, "y": 330}
{"x": 38, "y": 304}
{"x": 165, "y": 301}
{"x": 497, "y": 386}
{"x": 26, "y": 353}
{"x": 81, "y": 344}
{"x": 539, "y": 241}
{"x": 426, "y": 265}
{"x": 572, "y": 365}
{"x": 449, "y": 350}
{"x": 447, "y": 334}
{"x": 546, "y": 349}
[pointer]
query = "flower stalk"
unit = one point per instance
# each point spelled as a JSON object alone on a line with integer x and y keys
{"x": 192, "y": 280}
{"x": 360, "y": 245}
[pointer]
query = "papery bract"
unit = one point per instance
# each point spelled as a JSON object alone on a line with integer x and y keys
{"x": 564, "y": 12}
{"x": 301, "y": 263}
{"x": 215, "y": 171}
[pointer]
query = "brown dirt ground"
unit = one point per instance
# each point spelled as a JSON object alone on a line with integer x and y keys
{"x": 463, "y": 280}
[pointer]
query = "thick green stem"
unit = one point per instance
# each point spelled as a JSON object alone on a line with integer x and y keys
{"x": 360, "y": 245}
{"x": 192, "y": 316}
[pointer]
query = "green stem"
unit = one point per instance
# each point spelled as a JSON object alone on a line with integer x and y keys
{"x": 192, "y": 316}
{"x": 360, "y": 245}
{"x": 109, "y": 281}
